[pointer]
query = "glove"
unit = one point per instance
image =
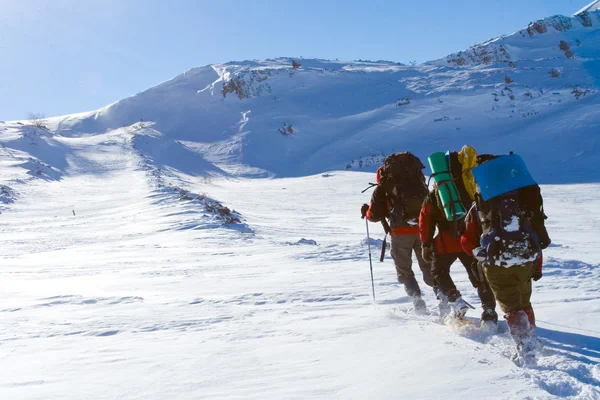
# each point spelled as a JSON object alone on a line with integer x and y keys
{"x": 537, "y": 275}
{"x": 363, "y": 210}
{"x": 427, "y": 251}
{"x": 544, "y": 244}
{"x": 545, "y": 240}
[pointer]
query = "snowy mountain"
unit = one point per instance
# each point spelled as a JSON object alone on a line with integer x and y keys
{"x": 147, "y": 253}
{"x": 532, "y": 92}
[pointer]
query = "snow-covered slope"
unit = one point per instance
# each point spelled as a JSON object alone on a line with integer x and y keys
{"x": 115, "y": 300}
{"x": 139, "y": 261}
{"x": 593, "y": 6}
{"x": 533, "y": 92}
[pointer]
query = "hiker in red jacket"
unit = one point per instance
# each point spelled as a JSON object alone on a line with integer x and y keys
{"x": 442, "y": 251}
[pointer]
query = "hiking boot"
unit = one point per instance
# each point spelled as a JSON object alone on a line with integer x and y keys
{"x": 524, "y": 337}
{"x": 412, "y": 287}
{"x": 444, "y": 307}
{"x": 420, "y": 306}
{"x": 489, "y": 314}
{"x": 527, "y": 351}
{"x": 539, "y": 345}
{"x": 445, "y": 310}
{"x": 459, "y": 307}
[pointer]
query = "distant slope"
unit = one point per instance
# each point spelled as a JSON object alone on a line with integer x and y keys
{"x": 533, "y": 92}
{"x": 30, "y": 155}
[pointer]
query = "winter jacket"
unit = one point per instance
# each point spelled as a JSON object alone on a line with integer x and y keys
{"x": 470, "y": 238}
{"x": 379, "y": 210}
{"x": 430, "y": 218}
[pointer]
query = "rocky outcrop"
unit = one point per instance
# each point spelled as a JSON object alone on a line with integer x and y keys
{"x": 248, "y": 84}
{"x": 486, "y": 53}
{"x": 498, "y": 51}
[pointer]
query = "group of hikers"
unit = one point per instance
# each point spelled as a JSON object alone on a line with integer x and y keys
{"x": 488, "y": 216}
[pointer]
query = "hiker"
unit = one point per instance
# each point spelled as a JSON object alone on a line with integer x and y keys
{"x": 441, "y": 252}
{"x": 443, "y": 249}
{"x": 506, "y": 234}
{"x": 397, "y": 198}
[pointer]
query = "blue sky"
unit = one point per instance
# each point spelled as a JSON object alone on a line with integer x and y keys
{"x": 66, "y": 56}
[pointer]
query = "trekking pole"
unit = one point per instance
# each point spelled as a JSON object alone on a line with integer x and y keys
{"x": 468, "y": 305}
{"x": 387, "y": 229}
{"x": 383, "y": 248}
{"x": 370, "y": 260}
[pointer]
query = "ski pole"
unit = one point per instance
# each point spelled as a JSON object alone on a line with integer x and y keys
{"x": 387, "y": 229}
{"x": 370, "y": 260}
{"x": 383, "y": 248}
{"x": 470, "y": 306}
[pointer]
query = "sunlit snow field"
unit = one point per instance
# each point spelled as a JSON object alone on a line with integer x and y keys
{"x": 111, "y": 288}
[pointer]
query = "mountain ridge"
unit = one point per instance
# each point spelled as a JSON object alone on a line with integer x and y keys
{"x": 531, "y": 90}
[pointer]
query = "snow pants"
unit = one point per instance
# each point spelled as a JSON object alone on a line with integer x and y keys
{"x": 511, "y": 286}
{"x": 402, "y": 248}
{"x": 441, "y": 273}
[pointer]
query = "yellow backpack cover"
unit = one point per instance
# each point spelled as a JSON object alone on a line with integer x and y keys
{"x": 468, "y": 159}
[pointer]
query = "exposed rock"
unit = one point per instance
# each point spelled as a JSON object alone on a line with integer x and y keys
{"x": 286, "y": 130}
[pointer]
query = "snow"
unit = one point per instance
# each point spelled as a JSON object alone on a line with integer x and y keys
{"x": 351, "y": 114}
{"x": 593, "y": 6}
{"x": 133, "y": 297}
{"x": 513, "y": 225}
{"x": 200, "y": 253}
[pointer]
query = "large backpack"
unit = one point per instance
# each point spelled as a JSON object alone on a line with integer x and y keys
{"x": 404, "y": 183}
{"x": 508, "y": 237}
{"x": 531, "y": 199}
{"x": 456, "y": 227}
{"x": 530, "y": 202}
